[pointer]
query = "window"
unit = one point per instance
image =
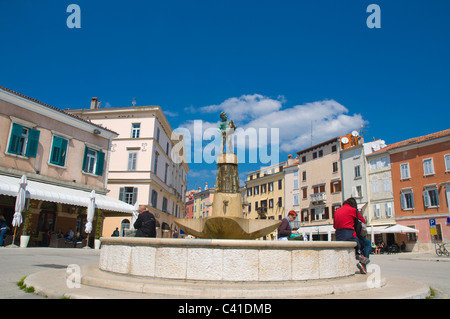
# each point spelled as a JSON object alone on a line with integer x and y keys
{"x": 377, "y": 210}
{"x": 155, "y": 164}
{"x": 157, "y": 134}
{"x": 59, "y": 150}
{"x": 135, "y": 130}
{"x": 431, "y": 197}
{"x": 280, "y": 202}
{"x": 249, "y": 191}
{"x": 303, "y": 159}
{"x": 154, "y": 200}
{"x": 263, "y": 188}
{"x": 428, "y": 167}
{"x": 93, "y": 161}
{"x": 335, "y": 186}
{"x": 23, "y": 141}
{"x": 165, "y": 173}
{"x": 335, "y": 167}
{"x": 407, "y": 199}
{"x": 295, "y": 199}
{"x": 379, "y": 163}
{"x": 256, "y": 190}
{"x": 164, "y": 205}
{"x": 333, "y": 148}
{"x": 320, "y": 153}
{"x": 128, "y": 195}
{"x": 305, "y": 192}
{"x": 132, "y": 158}
{"x": 271, "y": 203}
{"x": 357, "y": 171}
{"x": 270, "y": 184}
{"x": 387, "y": 185}
{"x": 303, "y": 176}
{"x": 280, "y": 184}
{"x": 357, "y": 191}
{"x": 388, "y": 209}
{"x": 447, "y": 162}
{"x": 314, "y": 155}
{"x": 295, "y": 183}
{"x": 375, "y": 186}
{"x": 404, "y": 171}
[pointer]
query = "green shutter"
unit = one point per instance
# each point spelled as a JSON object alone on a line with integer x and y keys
{"x": 16, "y": 133}
{"x": 59, "y": 149}
{"x": 100, "y": 163}
{"x": 32, "y": 143}
{"x": 122, "y": 194}
{"x": 83, "y": 168}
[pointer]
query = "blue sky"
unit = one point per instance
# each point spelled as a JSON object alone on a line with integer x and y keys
{"x": 277, "y": 64}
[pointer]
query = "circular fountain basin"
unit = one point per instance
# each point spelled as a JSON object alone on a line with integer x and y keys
{"x": 227, "y": 260}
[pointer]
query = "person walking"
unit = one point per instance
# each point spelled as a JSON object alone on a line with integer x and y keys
{"x": 145, "y": 223}
{"x": 3, "y": 229}
{"x": 344, "y": 223}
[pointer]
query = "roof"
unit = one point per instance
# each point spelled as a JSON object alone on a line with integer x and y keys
{"x": 414, "y": 140}
{"x": 334, "y": 139}
{"x": 54, "y": 108}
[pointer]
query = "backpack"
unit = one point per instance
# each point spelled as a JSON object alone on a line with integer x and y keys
{"x": 360, "y": 227}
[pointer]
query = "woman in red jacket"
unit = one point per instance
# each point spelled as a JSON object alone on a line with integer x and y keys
{"x": 285, "y": 229}
{"x": 344, "y": 223}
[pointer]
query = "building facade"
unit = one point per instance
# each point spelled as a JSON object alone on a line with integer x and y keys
{"x": 143, "y": 167}
{"x": 421, "y": 185}
{"x": 320, "y": 188}
{"x": 64, "y": 158}
{"x": 265, "y": 194}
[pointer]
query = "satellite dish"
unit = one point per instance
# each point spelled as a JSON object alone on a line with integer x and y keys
{"x": 355, "y": 133}
{"x": 344, "y": 140}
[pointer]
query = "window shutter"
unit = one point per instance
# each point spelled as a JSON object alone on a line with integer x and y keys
{"x": 100, "y": 163}
{"x": 122, "y": 194}
{"x": 402, "y": 201}
{"x": 59, "y": 148}
{"x": 313, "y": 214}
{"x": 33, "y": 143}
{"x": 426, "y": 198}
{"x": 84, "y": 158}
{"x": 134, "y": 199}
{"x": 16, "y": 132}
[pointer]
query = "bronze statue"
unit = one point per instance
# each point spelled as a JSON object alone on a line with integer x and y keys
{"x": 226, "y": 128}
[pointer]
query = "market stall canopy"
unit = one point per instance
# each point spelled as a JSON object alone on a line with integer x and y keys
{"x": 60, "y": 194}
{"x": 399, "y": 229}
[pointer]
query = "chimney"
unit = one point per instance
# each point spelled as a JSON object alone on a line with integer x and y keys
{"x": 94, "y": 103}
{"x": 290, "y": 160}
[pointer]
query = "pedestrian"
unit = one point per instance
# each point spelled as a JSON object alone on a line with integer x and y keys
{"x": 285, "y": 229}
{"x": 3, "y": 229}
{"x": 344, "y": 223}
{"x": 116, "y": 233}
{"x": 145, "y": 223}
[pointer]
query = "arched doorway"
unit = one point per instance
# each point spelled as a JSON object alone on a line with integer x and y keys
{"x": 124, "y": 227}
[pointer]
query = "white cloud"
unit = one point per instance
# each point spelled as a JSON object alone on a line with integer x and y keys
{"x": 328, "y": 119}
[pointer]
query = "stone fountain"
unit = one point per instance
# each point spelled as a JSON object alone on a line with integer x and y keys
{"x": 225, "y": 260}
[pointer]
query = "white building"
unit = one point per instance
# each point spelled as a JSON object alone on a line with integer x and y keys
{"x": 142, "y": 168}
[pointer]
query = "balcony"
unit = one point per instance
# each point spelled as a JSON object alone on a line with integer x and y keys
{"x": 318, "y": 198}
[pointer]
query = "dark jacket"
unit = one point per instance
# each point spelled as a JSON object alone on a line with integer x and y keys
{"x": 145, "y": 225}
{"x": 284, "y": 230}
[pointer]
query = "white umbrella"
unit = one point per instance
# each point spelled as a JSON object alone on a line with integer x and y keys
{"x": 135, "y": 214}
{"x": 90, "y": 213}
{"x": 20, "y": 202}
{"x": 399, "y": 229}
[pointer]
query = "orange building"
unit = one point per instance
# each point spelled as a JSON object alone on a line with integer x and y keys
{"x": 421, "y": 185}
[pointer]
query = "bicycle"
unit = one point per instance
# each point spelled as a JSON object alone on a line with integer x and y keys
{"x": 441, "y": 249}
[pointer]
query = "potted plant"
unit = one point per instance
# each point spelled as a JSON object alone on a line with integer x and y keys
{"x": 26, "y": 231}
{"x": 98, "y": 230}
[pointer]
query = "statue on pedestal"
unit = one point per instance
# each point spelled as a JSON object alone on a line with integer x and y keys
{"x": 227, "y": 128}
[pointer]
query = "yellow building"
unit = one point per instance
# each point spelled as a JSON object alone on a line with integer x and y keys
{"x": 265, "y": 193}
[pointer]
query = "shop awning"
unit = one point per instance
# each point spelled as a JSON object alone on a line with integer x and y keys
{"x": 59, "y": 194}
